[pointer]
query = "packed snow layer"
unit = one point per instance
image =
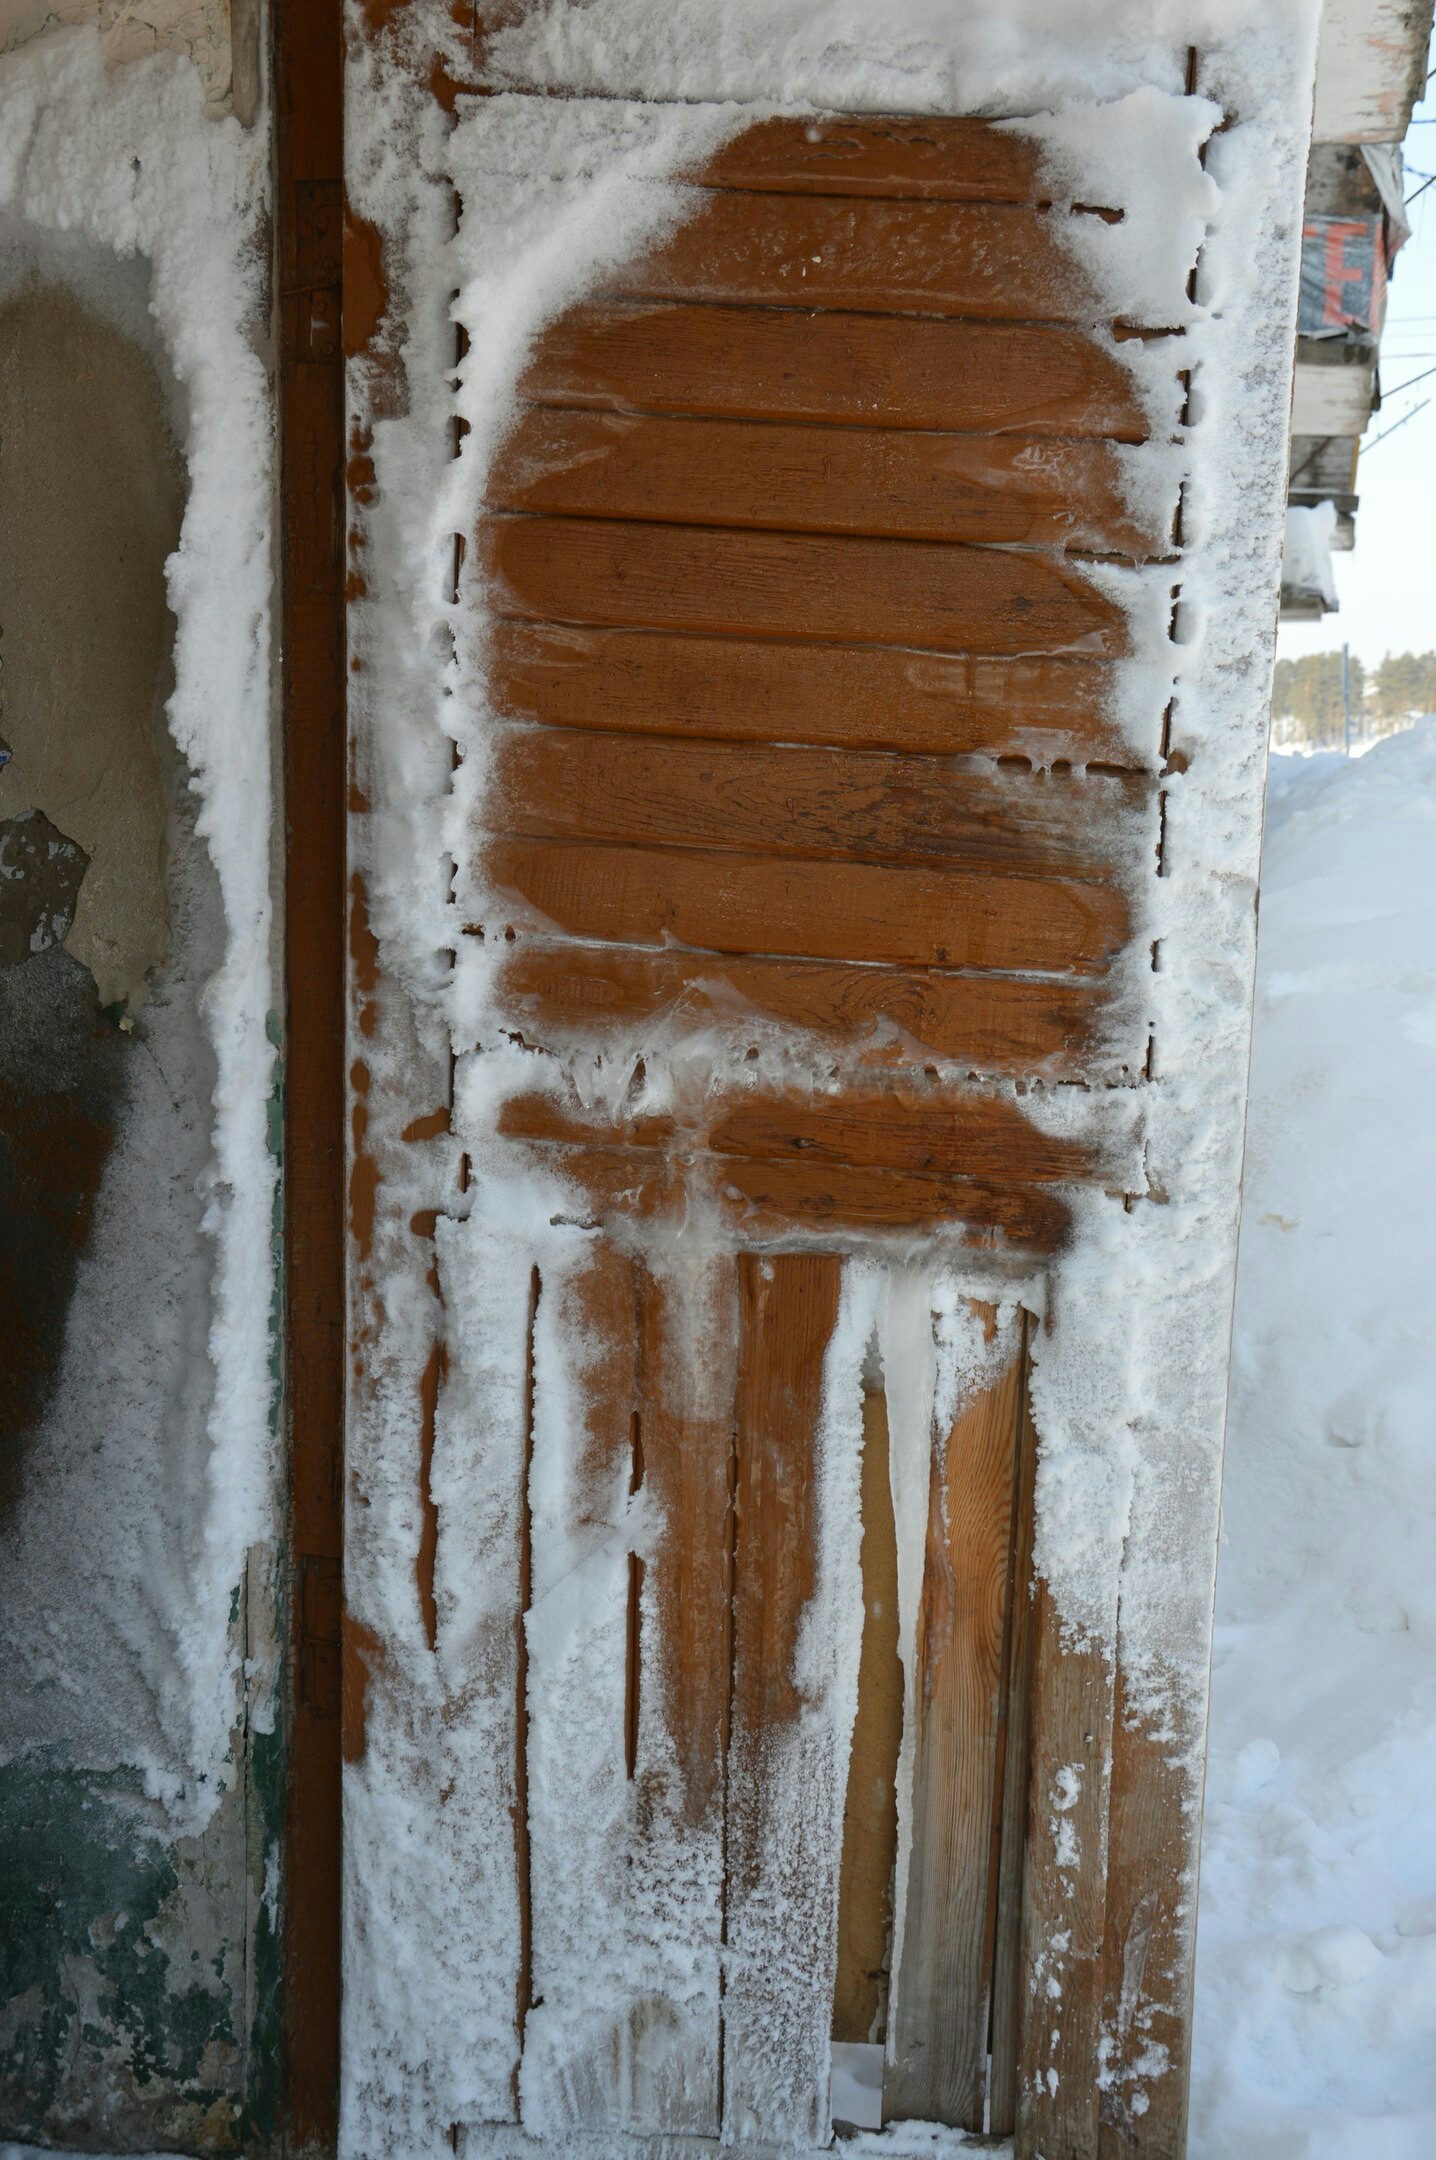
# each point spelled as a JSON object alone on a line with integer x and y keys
{"x": 1316, "y": 1967}
{"x": 128, "y": 162}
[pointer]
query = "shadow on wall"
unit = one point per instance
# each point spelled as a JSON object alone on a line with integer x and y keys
{"x": 123, "y": 2008}
{"x": 91, "y": 494}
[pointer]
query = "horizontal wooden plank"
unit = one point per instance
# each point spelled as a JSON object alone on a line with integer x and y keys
{"x": 869, "y": 806}
{"x": 562, "y": 993}
{"x": 994, "y": 263}
{"x": 846, "y": 369}
{"x": 817, "y": 910}
{"x": 750, "y": 691}
{"x": 966, "y": 1134}
{"x": 898, "y": 482}
{"x": 796, "y": 585}
{"x": 932, "y": 159}
{"x": 766, "y": 1202}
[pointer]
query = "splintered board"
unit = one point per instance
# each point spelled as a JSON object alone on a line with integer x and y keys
{"x": 806, "y": 881}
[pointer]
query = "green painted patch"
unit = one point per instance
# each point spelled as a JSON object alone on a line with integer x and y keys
{"x": 101, "y": 2008}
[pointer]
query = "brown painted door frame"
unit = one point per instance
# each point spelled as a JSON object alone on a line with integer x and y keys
{"x": 308, "y": 235}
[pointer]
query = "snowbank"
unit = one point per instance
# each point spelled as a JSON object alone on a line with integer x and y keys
{"x": 1316, "y": 1971}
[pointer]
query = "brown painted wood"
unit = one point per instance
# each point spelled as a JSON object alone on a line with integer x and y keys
{"x": 851, "y": 369}
{"x": 854, "y": 696}
{"x": 1007, "y": 1996}
{"x": 982, "y": 262}
{"x": 937, "y": 2052}
{"x": 777, "y": 2010}
{"x": 968, "y": 1136}
{"x": 1064, "y": 1892}
{"x": 760, "y": 1202}
{"x": 881, "y": 592}
{"x": 870, "y": 1824}
{"x": 308, "y": 213}
{"x": 934, "y": 159}
{"x": 788, "y": 801}
{"x": 824, "y": 911}
{"x": 904, "y": 483}
{"x": 563, "y": 994}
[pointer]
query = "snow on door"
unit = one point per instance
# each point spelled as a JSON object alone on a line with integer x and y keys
{"x": 769, "y": 682}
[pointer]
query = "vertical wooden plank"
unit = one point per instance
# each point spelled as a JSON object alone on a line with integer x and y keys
{"x": 865, "y": 1890}
{"x": 576, "y": 1686}
{"x": 627, "y": 1696}
{"x": 782, "y": 1865}
{"x": 937, "y": 2051}
{"x": 1151, "y": 1923}
{"x": 1016, "y": 1751}
{"x": 688, "y": 1367}
{"x": 1064, "y": 1898}
{"x": 307, "y": 47}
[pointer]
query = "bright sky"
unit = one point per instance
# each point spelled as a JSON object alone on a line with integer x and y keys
{"x": 1387, "y": 585}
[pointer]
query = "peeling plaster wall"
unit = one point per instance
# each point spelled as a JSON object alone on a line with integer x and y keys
{"x": 221, "y": 37}
{"x": 135, "y": 1967}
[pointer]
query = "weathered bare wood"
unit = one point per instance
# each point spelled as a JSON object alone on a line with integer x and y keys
{"x": 1007, "y": 2000}
{"x": 1064, "y": 1896}
{"x": 937, "y": 2047}
{"x": 1151, "y": 1923}
{"x": 865, "y": 1891}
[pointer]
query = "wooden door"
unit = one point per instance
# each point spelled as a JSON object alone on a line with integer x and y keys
{"x": 753, "y": 831}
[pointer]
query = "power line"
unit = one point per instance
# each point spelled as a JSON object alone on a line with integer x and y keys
{"x": 1367, "y": 448}
{"x": 1410, "y": 382}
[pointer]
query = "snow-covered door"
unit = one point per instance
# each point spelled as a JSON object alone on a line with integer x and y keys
{"x": 764, "y": 542}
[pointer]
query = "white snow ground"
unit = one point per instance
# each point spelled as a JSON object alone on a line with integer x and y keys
{"x": 1316, "y": 1947}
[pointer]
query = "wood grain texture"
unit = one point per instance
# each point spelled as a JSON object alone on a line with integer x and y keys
{"x": 846, "y": 368}
{"x": 782, "y": 1865}
{"x": 934, "y": 1133}
{"x": 984, "y": 262}
{"x": 870, "y": 1827}
{"x": 1064, "y": 1892}
{"x": 934, "y": 159}
{"x": 796, "y": 585}
{"x": 1150, "y": 1940}
{"x": 581, "y": 1469}
{"x": 901, "y": 482}
{"x": 562, "y": 994}
{"x": 1036, "y": 711}
{"x": 688, "y": 1347}
{"x": 818, "y": 910}
{"x": 687, "y": 1375}
{"x": 892, "y": 807}
{"x": 937, "y": 2047}
{"x": 760, "y": 1203}
{"x": 1007, "y": 1992}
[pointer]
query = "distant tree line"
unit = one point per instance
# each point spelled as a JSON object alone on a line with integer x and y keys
{"x": 1307, "y": 703}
